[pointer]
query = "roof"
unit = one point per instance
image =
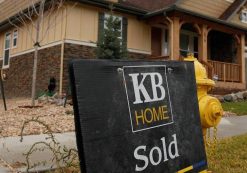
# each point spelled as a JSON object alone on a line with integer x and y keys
{"x": 141, "y": 8}
{"x": 232, "y": 9}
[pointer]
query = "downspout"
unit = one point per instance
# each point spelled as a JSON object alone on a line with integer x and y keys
{"x": 62, "y": 55}
{"x": 171, "y": 37}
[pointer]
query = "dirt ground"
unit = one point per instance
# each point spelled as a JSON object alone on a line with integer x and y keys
{"x": 58, "y": 118}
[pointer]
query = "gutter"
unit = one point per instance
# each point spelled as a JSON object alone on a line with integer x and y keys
{"x": 116, "y": 7}
{"x": 171, "y": 8}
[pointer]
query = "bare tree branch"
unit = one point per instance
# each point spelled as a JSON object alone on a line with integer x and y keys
{"x": 37, "y": 20}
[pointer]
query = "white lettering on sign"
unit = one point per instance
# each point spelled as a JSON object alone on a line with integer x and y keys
{"x": 140, "y": 88}
{"x": 171, "y": 151}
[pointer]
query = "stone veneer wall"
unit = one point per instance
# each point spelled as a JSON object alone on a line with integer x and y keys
{"x": 73, "y": 51}
{"x": 19, "y": 73}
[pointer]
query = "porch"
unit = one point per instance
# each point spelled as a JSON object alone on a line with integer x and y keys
{"x": 220, "y": 48}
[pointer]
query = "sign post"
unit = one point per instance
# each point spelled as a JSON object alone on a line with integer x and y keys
{"x": 135, "y": 116}
{"x": 2, "y": 93}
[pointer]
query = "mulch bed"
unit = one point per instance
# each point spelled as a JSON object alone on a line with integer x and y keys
{"x": 58, "y": 118}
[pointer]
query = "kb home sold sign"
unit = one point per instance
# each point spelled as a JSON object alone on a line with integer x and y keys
{"x": 137, "y": 117}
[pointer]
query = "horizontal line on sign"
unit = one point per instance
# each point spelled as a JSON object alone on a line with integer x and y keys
{"x": 185, "y": 169}
{"x": 143, "y": 66}
{"x": 199, "y": 164}
{"x": 134, "y": 131}
{"x": 195, "y": 166}
{"x": 205, "y": 171}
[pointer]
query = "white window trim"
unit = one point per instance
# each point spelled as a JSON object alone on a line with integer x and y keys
{"x": 163, "y": 53}
{"x": 231, "y": 1}
{"x": 191, "y": 40}
{"x": 244, "y": 11}
{"x": 15, "y": 46}
{"x": 3, "y": 65}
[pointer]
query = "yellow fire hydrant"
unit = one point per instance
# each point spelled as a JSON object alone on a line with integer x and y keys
{"x": 210, "y": 108}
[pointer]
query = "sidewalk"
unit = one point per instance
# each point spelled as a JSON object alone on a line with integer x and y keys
{"x": 232, "y": 126}
{"x": 11, "y": 150}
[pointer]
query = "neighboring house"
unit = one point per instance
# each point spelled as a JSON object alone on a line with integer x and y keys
{"x": 213, "y": 30}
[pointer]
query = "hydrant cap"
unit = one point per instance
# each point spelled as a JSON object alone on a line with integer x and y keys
{"x": 200, "y": 72}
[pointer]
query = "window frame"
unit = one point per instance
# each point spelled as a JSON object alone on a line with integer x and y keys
{"x": 243, "y": 19}
{"x": 15, "y": 37}
{"x": 165, "y": 50}
{"x": 191, "y": 46}
{"x": 106, "y": 16}
{"x": 6, "y": 49}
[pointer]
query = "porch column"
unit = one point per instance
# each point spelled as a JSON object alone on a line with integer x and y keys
{"x": 242, "y": 57}
{"x": 203, "y": 44}
{"x": 175, "y": 36}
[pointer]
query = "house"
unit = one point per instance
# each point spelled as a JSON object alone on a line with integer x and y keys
{"x": 213, "y": 30}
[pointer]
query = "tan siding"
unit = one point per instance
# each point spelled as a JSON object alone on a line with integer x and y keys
{"x": 82, "y": 23}
{"x": 213, "y": 8}
{"x": 236, "y": 20}
{"x": 139, "y": 35}
{"x": 11, "y": 7}
{"x": 86, "y": 31}
{"x": 25, "y": 42}
{"x": 1, "y": 44}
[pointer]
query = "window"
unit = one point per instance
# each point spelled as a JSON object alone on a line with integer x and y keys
{"x": 188, "y": 43}
{"x": 6, "y": 50}
{"x": 120, "y": 23}
{"x": 123, "y": 22}
{"x": 243, "y": 16}
{"x": 165, "y": 43}
{"x": 15, "y": 37}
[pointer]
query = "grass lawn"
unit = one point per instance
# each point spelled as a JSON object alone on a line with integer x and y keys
{"x": 240, "y": 108}
{"x": 229, "y": 156}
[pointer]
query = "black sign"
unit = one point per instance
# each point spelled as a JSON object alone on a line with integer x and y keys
{"x": 134, "y": 116}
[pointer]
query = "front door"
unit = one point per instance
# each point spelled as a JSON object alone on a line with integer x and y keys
{"x": 159, "y": 42}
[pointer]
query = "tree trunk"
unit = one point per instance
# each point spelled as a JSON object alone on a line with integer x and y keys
{"x": 35, "y": 62}
{"x": 36, "y": 46}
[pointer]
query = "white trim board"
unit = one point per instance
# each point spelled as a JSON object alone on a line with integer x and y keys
{"x": 139, "y": 51}
{"x": 32, "y": 50}
{"x": 77, "y": 42}
{"x": 84, "y": 43}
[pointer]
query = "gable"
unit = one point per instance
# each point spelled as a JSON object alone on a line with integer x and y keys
{"x": 236, "y": 18}
{"x": 212, "y": 8}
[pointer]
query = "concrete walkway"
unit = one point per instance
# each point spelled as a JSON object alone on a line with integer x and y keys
{"x": 232, "y": 126}
{"x": 11, "y": 149}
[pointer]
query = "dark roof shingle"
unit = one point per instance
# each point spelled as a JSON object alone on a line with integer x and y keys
{"x": 148, "y": 5}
